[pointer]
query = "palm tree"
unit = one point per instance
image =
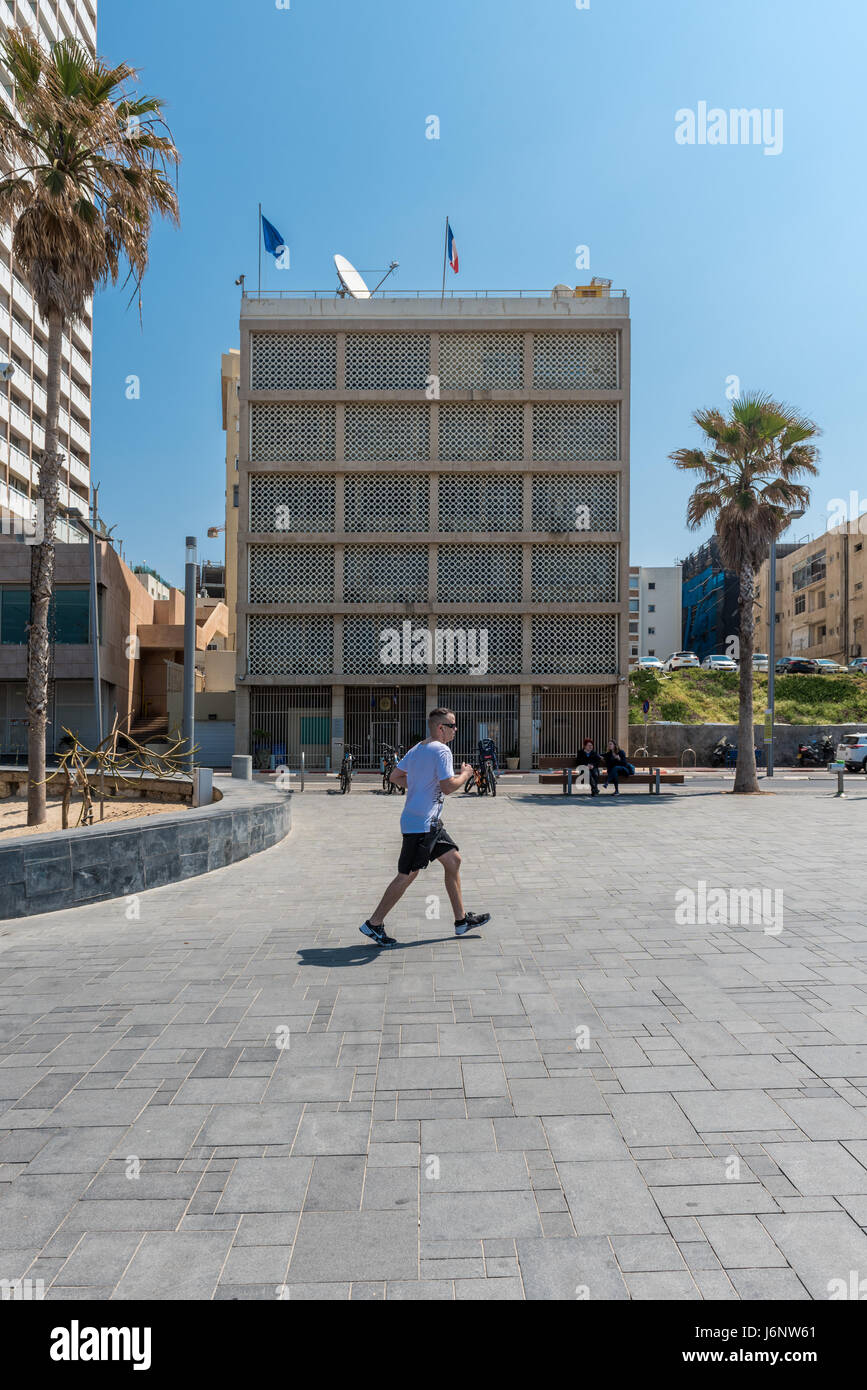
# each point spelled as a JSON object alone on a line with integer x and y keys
{"x": 88, "y": 168}
{"x": 749, "y": 486}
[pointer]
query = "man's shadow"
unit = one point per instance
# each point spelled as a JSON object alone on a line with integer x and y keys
{"x": 334, "y": 957}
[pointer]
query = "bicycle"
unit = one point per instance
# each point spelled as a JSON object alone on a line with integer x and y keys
{"x": 346, "y": 772}
{"x": 484, "y": 777}
{"x": 391, "y": 757}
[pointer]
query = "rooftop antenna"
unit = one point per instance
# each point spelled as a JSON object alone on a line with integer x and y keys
{"x": 352, "y": 284}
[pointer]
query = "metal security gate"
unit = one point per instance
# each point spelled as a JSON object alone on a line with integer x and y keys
{"x": 383, "y": 714}
{"x": 288, "y": 720}
{"x": 483, "y": 712}
{"x": 563, "y": 717}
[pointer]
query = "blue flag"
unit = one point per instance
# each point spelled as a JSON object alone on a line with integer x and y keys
{"x": 274, "y": 243}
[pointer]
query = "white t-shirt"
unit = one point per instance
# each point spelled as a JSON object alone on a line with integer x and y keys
{"x": 426, "y": 765}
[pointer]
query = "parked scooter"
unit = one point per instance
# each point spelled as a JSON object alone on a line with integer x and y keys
{"x": 720, "y": 753}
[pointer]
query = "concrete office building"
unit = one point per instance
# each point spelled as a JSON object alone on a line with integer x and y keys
{"x": 23, "y": 333}
{"x": 433, "y": 503}
{"x": 655, "y": 612}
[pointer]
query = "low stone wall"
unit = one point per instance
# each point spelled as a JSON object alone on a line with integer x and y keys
{"x": 68, "y": 868}
{"x": 671, "y": 740}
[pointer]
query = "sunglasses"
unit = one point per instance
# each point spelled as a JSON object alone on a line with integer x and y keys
{"x": 448, "y": 726}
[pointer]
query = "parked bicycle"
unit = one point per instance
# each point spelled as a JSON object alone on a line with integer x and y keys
{"x": 346, "y": 770}
{"x": 484, "y": 777}
{"x": 390, "y": 759}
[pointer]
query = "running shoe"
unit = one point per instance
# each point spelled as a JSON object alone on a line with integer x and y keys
{"x": 377, "y": 934}
{"x": 471, "y": 920}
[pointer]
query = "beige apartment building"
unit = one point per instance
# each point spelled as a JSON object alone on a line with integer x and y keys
{"x": 23, "y": 333}
{"x": 821, "y": 600}
{"x": 433, "y": 503}
{"x": 231, "y": 387}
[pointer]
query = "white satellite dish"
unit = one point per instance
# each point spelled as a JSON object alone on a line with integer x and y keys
{"x": 350, "y": 280}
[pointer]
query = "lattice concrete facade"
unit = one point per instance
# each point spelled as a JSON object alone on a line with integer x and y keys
{"x": 435, "y": 496}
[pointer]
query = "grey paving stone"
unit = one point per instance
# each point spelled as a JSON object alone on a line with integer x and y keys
{"x": 563, "y": 1096}
{"x": 100, "y": 1258}
{"x": 390, "y": 1189}
{"x": 651, "y": 1120}
{"x": 336, "y": 1184}
{"x": 773, "y": 1285}
{"x": 457, "y": 1136}
{"x": 365, "y": 1245}
{"x": 332, "y": 1134}
{"x": 499, "y": 1290}
{"x": 419, "y": 1074}
{"x": 584, "y": 1137}
{"x": 609, "y": 1198}
{"x": 76, "y": 1150}
{"x": 568, "y": 1268}
{"x": 524, "y": 1133}
{"x": 668, "y": 1285}
{"x": 172, "y": 1265}
{"x": 820, "y": 1247}
{"x": 477, "y": 1215}
{"x": 256, "y": 1264}
{"x": 251, "y": 1124}
{"x": 266, "y": 1184}
{"x": 646, "y": 1254}
{"x": 741, "y": 1242}
{"x": 732, "y": 1112}
{"x": 311, "y": 1083}
{"x": 420, "y": 1290}
{"x": 821, "y": 1168}
{"x": 478, "y": 1172}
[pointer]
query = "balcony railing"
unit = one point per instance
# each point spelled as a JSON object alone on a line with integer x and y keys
{"x": 429, "y": 294}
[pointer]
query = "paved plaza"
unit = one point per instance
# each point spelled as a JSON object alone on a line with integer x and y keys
{"x": 628, "y": 1086}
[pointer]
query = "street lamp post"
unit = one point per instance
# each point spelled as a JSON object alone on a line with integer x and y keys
{"x": 772, "y": 645}
{"x": 189, "y": 652}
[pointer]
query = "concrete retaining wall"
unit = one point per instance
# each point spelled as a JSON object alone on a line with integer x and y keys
{"x": 43, "y": 873}
{"x": 670, "y": 740}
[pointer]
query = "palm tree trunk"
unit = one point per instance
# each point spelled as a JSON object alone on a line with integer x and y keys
{"x": 42, "y": 584}
{"x": 745, "y": 773}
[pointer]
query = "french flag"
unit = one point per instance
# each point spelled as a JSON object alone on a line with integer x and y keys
{"x": 452, "y": 250}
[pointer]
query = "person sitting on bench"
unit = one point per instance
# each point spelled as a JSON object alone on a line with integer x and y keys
{"x": 589, "y": 758}
{"x": 616, "y": 765}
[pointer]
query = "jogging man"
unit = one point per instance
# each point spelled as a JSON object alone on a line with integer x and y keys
{"x": 428, "y": 773}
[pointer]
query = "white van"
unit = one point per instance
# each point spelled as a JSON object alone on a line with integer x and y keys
{"x": 852, "y": 750}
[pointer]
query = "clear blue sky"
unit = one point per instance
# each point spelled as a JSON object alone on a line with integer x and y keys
{"x": 557, "y": 129}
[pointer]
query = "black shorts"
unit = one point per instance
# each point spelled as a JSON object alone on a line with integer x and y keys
{"x": 417, "y": 851}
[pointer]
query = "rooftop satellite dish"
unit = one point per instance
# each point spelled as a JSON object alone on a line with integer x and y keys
{"x": 351, "y": 282}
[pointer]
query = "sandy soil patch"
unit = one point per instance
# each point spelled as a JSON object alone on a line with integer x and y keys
{"x": 13, "y": 815}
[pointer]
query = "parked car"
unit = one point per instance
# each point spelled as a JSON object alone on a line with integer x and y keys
{"x": 858, "y": 665}
{"x": 650, "y": 663}
{"x": 678, "y": 660}
{"x": 760, "y": 661}
{"x": 719, "y": 663}
{"x": 796, "y": 666}
{"x": 852, "y": 750}
{"x": 829, "y": 668}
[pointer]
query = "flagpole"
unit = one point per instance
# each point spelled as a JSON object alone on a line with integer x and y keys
{"x": 445, "y": 254}
{"x": 260, "y": 250}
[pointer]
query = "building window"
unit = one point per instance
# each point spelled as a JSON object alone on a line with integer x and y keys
{"x": 776, "y": 619}
{"x": 633, "y": 581}
{"x": 235, "y": 491}
{"x": 14, "y": 616}
{"x": 777, "y": 586}
{"x": 651, "y": 608}
{"x": 860, "y": 545}
{"x": 800, "y": 602}
{"x": 810, "y": 572}
{"x": 633, "y": 605}
{"x": 652, "y": 584}
{"x": 651, "y": 651}
{"x": 68, "y": 618}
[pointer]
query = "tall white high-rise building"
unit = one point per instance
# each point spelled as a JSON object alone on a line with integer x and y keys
{"x": 23, "y": 332}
